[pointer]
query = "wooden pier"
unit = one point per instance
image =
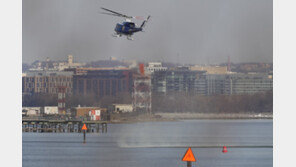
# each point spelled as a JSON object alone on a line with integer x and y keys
{"x": 63, "y": 126}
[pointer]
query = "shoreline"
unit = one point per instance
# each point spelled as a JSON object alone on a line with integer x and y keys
{"x": 167, "y": 117}
{"x": 216, "y": 116}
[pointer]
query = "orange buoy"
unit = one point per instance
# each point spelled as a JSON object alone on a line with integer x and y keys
{"x": 224, "y": 149}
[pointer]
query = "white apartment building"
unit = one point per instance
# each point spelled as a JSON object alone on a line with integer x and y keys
{"x": 154, "y": 66}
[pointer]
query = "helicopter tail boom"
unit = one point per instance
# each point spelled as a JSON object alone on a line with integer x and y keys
{"x": 144, "y": 22}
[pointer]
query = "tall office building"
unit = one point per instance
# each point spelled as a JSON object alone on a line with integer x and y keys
{"x": 175, "y": 81}
{"x": 199, "y": 82}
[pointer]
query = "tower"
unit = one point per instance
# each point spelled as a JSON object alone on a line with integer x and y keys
{"x": 142, "y": 92}
{"x": 62, "y": 99}
{"x": 228, "y": 66}
{"x": 70, "y": 59}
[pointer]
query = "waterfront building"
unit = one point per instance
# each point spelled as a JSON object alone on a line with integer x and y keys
{"x": 46, "y": 82}
{"x": 201, "y": 83}
{"x": 238, "y": 83}
{"x": 122, "y": 108}
{"x": 31, "y": 111}
{"x": 248, "y": 83}
{"x": 102, "y": 82}
{"x": 215, "y": 84}
{"x": 51, "y": 110}
{"x": 84, "y": 112}
{"x": 175, "y": 81}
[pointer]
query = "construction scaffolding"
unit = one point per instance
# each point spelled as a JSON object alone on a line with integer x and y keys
{"x": 142, "y": 94}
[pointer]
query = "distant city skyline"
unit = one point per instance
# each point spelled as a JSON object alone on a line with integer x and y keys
{"x": 143, "y": 61}
{"x": 195, "y": 32}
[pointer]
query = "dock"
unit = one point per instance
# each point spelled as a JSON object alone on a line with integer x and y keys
{"x": 62, "y": 126}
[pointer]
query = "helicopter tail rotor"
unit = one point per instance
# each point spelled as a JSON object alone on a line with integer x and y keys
{"x": 145, "y": 21}
{"x": 138, "y": 17}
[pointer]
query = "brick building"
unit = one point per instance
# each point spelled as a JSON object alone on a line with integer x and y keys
{"x": 47, "y": 82}
{"x": 102, "y": 82}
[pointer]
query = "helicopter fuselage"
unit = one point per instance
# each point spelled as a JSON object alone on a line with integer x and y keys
{"x": 127, "y": 28}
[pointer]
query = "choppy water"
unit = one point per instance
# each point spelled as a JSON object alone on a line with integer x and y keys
{"x": 155, "y": 144}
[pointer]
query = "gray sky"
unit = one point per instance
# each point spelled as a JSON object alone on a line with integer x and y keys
{"x": 186, "y": 31}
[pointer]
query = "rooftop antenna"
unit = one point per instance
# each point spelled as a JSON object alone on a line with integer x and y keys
{"x": 228, "y": 67}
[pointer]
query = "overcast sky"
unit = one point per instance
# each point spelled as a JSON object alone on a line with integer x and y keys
{"x": 186, "y": 31}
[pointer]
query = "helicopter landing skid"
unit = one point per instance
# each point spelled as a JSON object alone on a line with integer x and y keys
{"x": 116, "y": 35}
{"x": 129, "y": 38}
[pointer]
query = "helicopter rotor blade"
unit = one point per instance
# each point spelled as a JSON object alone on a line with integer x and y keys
{"x": 118, "y": 14}
{"x": 112, "y": 14}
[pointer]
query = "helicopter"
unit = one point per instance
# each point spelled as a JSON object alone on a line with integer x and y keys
{"x": 127, "y": 28}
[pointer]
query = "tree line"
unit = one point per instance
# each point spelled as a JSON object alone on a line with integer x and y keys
{"x": 172, "y": 102}
{"x": 186, "y": 102}
{"x": 43, "y": 99}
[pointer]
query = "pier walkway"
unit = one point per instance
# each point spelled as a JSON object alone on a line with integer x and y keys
{"x": 62, "y": 126}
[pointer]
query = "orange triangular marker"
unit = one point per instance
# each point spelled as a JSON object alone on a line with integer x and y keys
{"x": 189, "y": 156}
{"x": 84, "y": 127}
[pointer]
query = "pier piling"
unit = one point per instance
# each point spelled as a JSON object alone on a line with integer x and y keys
{"x": 84, "y": 136}
{"x": 62, "y": 126}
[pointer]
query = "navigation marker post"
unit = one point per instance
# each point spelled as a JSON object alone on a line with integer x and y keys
{"x": 84, "y": 128}
{"x": 224, "y": 149}
{"x": 189, "y": 157}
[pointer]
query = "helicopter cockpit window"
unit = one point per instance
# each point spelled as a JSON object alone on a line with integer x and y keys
{"x": 132, "y": 25}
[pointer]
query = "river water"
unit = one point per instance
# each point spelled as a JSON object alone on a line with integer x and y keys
{"x": 156, "y": 144}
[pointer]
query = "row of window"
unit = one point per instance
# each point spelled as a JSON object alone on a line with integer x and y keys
{"x": 39, "y": 85}
{"x": 47, "y": 90}
{"x": 47, "y": 79}
{"x": 101, "y": 87}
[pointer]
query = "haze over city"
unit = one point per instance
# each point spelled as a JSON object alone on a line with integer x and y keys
{"x": 203, "y": 31}
{"x": 97, "y": 91}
